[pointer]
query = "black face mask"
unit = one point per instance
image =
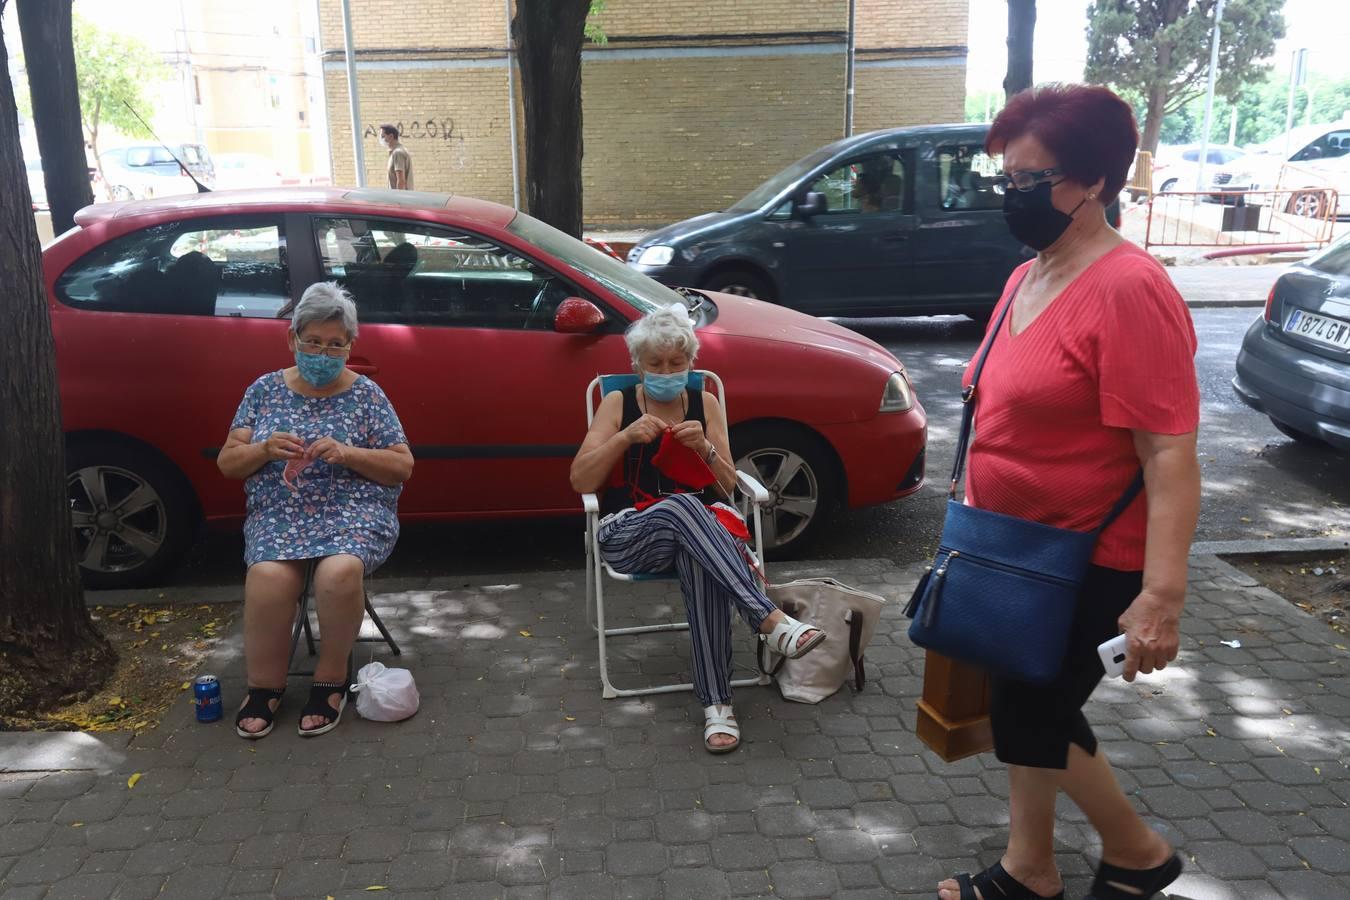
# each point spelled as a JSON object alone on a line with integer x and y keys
{"x": 1032, "y": 217}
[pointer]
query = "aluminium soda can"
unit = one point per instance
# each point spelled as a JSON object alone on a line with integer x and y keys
{"x": 206, "y": 697}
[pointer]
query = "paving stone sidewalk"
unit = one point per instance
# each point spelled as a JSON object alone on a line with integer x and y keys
{"x": 516, "y": 780}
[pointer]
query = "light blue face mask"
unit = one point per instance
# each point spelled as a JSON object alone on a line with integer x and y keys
{"x": 664, "y": 388}
{"x": 318, "y": 369}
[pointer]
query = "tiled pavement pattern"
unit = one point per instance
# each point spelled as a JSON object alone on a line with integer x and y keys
{"x": 516, "y": 780}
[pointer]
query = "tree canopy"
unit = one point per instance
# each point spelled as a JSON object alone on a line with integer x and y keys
{"x": 1156, "y": 52}
{"x": 114, "y": 70}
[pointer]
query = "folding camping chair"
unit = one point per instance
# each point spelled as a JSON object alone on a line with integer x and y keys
{"x": 753, "y": 494}
{"x": 302, "y": 624}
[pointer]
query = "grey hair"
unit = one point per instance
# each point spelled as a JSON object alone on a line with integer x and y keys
{"x": 668, "y": 328}
{"x": 325, "y": 301}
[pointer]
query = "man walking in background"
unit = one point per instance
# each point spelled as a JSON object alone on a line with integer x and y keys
{"x": 400, "y": 161}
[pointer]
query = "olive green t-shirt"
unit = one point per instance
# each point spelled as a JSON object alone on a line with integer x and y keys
{"x": 400, "y": 160}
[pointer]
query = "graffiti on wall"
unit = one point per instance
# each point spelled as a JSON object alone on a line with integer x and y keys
{"x": 430, "y": 128}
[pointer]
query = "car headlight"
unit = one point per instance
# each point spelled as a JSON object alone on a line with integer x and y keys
{"x": 898, "y": 396}
{"x": 656, "y": 256}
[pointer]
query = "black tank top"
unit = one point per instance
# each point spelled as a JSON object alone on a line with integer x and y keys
{"x": 636, "y": 463}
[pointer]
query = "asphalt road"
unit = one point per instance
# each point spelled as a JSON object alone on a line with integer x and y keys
{"x": 1258, "y": 483}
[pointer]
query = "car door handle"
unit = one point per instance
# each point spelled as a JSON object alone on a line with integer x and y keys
{"x": 895, "y": 237}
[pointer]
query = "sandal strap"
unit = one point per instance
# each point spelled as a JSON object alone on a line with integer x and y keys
{"x": 785, "y": 634}
{"x": 715, "y": 722}
{"x": 1004, "y": 886}
{"x": 256, "y": 704}
{"x": 1147, "y": 881}
{"x": 318, "y": 704}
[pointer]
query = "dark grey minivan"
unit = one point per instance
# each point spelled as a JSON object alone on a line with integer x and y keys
{"x": 896, "y": 222}
{"x": 1294, "y": 365}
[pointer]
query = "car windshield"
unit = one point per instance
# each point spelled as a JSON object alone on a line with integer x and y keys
{"x": 631, "y": 286}
{"x": 780, "y": 182}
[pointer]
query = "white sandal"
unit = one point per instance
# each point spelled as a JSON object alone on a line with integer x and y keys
{"x": 785, "y": 635}
{"x": 719, "y": 719}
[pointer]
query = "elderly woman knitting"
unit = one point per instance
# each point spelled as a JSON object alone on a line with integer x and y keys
{"x": 324, "y": 459}
{"x": 654, "y": 522}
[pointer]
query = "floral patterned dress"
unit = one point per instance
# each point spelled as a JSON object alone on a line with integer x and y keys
{"x": 333, "y": 510}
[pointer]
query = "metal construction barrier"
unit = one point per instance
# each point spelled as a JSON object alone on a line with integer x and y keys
{"x": 1283, "y": 218}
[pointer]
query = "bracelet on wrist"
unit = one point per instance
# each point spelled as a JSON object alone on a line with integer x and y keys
{"x": 711, "y": 454}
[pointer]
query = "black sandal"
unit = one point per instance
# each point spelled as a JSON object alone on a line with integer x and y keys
{"x": 318, "y": 705}
{"x": 1005, "y": 887}
{"x": 257, "y": 707}
{"x": 1147, "y": 882}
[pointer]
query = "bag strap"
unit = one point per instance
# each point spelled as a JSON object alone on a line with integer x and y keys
{"x": 968, "y": 393}
{"x": 855, "y": 629}
{"x": 1125, "y": 500}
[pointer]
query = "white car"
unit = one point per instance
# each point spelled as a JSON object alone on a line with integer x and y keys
{"x": 1260, "y": 169}
{"x": 1176, "y": 168}
{"x": 245, "y": 170}
{"x": 127, "y": 183}
{"x": 1318, "y": 175}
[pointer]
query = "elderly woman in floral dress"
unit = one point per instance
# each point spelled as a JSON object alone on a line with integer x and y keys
{"x": 324, "y": 459}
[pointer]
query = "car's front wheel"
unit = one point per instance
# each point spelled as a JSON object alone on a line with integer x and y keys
{"x": 1168, "y": 186}
{"x": 1309, "y": 203}
{"x": 133, "y": 516}
{"x": 742, "y": 283}
{"x": 798, "y": 470}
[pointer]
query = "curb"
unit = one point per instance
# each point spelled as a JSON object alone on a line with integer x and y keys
{"x": 1266, "y": 546}
{"x": 1223, "y": 304}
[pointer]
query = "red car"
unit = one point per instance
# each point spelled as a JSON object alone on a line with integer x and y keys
{"x": 483, "y": 326}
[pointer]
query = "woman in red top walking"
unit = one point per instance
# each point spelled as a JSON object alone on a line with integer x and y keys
{"x": 1092, "y": 377}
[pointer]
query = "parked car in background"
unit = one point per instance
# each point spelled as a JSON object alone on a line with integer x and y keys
{"x": 1327, "y": 182}
{"x": 1294, "y": 365}
{"x": 896, "y": 222}
{"x": 245, "y": 170}
{"x": 37, "y": 184}
{"x": 140, "y": 161}
{"x": 124, "y": 182}
{"x": 165, "y": 311}
{"x": 1176, "y": 168}
{"x": 1260, "y": 168}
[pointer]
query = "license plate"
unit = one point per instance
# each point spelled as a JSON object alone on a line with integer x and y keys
{"x": 1322, "y": 329}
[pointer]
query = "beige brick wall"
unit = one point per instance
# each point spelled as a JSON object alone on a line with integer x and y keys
{"x": 716, "y": 17}
{"x": 454, "y": 122}
{"x": 888, "y": 98}
{"x": 912, "y": 23}
{"x": 388, "y": 24}
{"x": 666, "y": 135}
{"x": 671, "y": 138}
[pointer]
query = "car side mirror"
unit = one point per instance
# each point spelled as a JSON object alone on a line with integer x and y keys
{"x": 577, "y": 316}
{"x": 813, "y": 204}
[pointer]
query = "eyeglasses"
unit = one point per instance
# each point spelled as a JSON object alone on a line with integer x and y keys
{"x": 314, "y": 348}
{"x": 1024, "y": 180}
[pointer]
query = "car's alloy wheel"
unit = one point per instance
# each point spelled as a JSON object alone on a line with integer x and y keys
{"x": 133, "y": 514}
{"x": 1307, "y": 204}
{"x": 800, "y": 481}
{"x": 119, "y": 518}
{"x": 1168, "y": 186}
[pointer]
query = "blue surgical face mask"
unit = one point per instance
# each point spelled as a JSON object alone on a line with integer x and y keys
{"x": 664, "y": 388}
{"x": 318, "y": 369}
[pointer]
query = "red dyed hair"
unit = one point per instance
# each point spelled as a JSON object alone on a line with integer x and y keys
{"x": 1089, "y": 129}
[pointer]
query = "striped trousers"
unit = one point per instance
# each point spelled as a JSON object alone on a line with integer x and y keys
{"x": 680, "y": 533}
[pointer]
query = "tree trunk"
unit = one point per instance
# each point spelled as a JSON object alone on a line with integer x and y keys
{"x": 548, "y": 36}
{"x": 48, "y": 646}
{"x": 1021, "y": 34}
{"x": 1154, "y": 112}
{"x": 49, "y": 54}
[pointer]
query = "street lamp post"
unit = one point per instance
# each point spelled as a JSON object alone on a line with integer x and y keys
{"x": 1209, "y": 99}
{"x": 358, "y": 151}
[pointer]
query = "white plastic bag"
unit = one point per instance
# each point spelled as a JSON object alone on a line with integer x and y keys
{"x": 385, "y": 695}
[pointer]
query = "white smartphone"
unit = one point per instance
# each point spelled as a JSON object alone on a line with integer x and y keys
{"x": 1112, "y": 653}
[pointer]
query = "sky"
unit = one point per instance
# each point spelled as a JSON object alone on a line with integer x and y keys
{"x": 1322, "y": 26}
